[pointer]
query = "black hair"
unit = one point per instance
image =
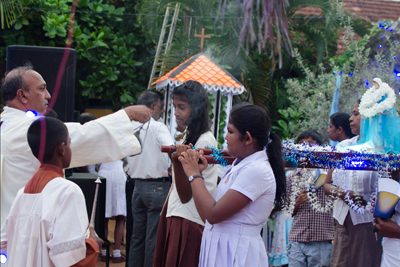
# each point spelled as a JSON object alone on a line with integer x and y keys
{"x": 10, "y": 86}
{"x": 240, "y": 104}
{"x": 159, "y": 94}
{"x": 313, "y": 134}
{"x": 149, "y": 97}
{"x": 85, "y": 117}
{"x": 359, "y": 101}
{"x": 255, "y": 120}
{"x": 194, "y": 93}
{"x": 341, "y": 119}
{"x": 56, "y": 133}
{"x": 51, "y": 113}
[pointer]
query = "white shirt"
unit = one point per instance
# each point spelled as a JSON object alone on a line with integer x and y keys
{"x": 151, "y": 163}
{"x": 254, "y": 178}
{"x": 237, "y": 240}
{"x": 188, "y": 210}
{"x": 366, "y": 181}
{"x": 106, "y": 139}
{"x": 59, "y": 211}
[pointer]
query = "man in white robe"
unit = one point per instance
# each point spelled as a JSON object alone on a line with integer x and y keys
{"x": 103, "y": 140}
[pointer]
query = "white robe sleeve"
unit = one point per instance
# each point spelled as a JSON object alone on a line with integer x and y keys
{"x": 106, "y": 139}
{"x": 67, "y": 244}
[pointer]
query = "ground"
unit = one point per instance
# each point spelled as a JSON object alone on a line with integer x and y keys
{"x": 111, "y": 225}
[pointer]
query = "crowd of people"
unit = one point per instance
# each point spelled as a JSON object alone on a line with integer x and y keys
{"x": 182, "y": 213}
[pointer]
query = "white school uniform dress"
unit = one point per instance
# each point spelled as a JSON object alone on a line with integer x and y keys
{"x": 391, "y": 246}
{"x": 237, "y": 241}
{"x": 115, "y": 188}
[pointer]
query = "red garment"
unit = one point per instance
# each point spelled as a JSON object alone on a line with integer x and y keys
{"x": 36, "y": 184}
{"x": 178, "y": 242}
{"x": 45, "y": 174}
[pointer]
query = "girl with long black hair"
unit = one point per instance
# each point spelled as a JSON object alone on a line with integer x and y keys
{"x": 246, "y": 194}
{"x": 181, "y": 226}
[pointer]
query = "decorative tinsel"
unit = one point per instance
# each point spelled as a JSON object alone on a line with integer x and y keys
{"x": 343, "y": 158}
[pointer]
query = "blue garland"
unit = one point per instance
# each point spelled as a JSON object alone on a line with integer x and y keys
{"x": 218, "y": 156}
{"x": 355, "y": 160}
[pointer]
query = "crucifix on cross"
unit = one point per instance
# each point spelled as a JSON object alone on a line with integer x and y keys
{"x": 202, "y": 36}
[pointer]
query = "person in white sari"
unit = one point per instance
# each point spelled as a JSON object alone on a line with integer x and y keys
{"x": 106, "y": 139}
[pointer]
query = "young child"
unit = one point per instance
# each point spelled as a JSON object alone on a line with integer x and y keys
{"x": 339, "y": 127}
{"x": 48, "y": 221}
{"x": 246, "y": 194}
{"x": 181, "y": 227}
{"x": 115, "y": 197}
{"x": 312, "y": 231}
{"x": 115, "y": 204}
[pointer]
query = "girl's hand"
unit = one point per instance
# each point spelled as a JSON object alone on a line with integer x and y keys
{"x": 179, "y": 150}
{"x": 189, "y": 160}
{"x": 203, "y": 164}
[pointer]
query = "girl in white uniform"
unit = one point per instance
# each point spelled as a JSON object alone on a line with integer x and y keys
{"x": 246, "y": 194}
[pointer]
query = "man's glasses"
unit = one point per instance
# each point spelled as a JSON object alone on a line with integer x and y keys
{"x": 136, "y": 132}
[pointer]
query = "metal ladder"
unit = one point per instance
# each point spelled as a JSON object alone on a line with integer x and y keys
{"x": 162, "y": 47}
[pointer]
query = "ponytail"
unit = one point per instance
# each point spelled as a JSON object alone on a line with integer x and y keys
{"x": 274, "y": 153}
{"x": 255, "y": 120}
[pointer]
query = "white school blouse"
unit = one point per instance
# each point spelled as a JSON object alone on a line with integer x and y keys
{"x": 188, "y": 210}
{"x": 237, "y": 242}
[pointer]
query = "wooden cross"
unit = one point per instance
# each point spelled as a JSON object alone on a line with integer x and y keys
{"x": 202, "y": 36}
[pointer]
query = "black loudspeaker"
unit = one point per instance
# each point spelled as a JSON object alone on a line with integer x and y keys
{"x": 47, "y": 61}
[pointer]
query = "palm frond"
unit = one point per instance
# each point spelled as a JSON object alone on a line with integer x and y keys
{"x": 9, "y": 9}
{"x": 271, "y": 24}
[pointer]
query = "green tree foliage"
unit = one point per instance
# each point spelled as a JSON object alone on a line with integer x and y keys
{"x": 109, "y": 52}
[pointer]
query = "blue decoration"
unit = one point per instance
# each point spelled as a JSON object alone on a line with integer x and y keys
{"x": 380, "y": 46}
{"x": 340, "y": 72}
{"x": 391, "y": 30}
{"x": 335, "y": 104}
{"x": 383, "y": 37}
{"x": 395, "y": 42}
{"x": 31, "y": 114}
{"x": 218, "y": 156}
{"x": 367, "y": 82}
{"x": 3, "y": 257}
{"x": 322, "y": 158}
{"x": 378, "y": 64}
{"x": 351, "y": 74}
{"x": 291, "y": 161}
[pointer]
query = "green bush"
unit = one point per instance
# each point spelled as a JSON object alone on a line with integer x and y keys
{"x": 108, "y": 65}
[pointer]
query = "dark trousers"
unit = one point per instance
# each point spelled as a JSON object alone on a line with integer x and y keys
{"x": 130, "y": 185}
{"x": 147, "y": 202}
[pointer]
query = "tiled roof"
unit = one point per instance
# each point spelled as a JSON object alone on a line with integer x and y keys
{"x": 204, "y": 70}
{"x": 373, "y": 11}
